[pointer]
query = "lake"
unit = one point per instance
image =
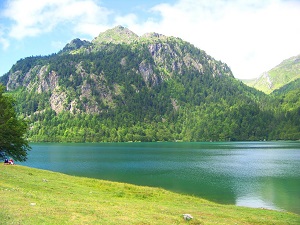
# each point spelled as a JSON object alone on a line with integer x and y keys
{"x": 253, "y": 174}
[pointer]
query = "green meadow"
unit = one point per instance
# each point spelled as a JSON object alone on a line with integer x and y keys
{"x": 33, "y": 196}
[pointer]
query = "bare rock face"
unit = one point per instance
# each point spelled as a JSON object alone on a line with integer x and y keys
{"x": 172, "y": 58}
{"x": 48, "y": 81}
{"x": 154, "y": 35}
{"x": 268, "y": 80}
{"x": 154, "y": 49}
{"x": 189, "y": 61}
{"x": 147, "y": 73}
{"x": 57, "y": 100}
{"x": 45, "y": 80}
{"x": 87, "y": 100}
{"x": 14, "y": 81}
{"x": 84, "y": 84}
{"x": 73, "y": 107}
{"x": 165, "y": 57}
{"x": 162, "y": 52}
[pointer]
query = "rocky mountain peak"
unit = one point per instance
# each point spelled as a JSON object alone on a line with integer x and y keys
{"x": 154, "y": 35}
{"x": 116, "y": 35}
{"x": 75, "y": 44}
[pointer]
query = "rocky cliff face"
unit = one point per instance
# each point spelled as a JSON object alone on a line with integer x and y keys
{"x": 83, "y": 77}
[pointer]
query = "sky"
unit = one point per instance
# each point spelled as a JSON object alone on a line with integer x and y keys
{"x": 250, "y": 36}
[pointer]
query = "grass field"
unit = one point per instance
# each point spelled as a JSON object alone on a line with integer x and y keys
{"x": 32, "y": 196}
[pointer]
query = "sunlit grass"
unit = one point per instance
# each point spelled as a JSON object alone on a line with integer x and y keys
{"x": 31, "y": 196}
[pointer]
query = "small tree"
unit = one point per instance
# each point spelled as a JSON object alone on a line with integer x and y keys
{"x": 12, "y": 130}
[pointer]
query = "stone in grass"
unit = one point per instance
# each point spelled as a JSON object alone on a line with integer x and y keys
{"x": 187, "y": 216}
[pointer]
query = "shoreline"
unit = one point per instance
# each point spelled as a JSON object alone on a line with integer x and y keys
{"x": 35, "y": 196}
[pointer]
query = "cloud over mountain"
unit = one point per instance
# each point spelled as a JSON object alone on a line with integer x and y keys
{"x": 243, "y": 33}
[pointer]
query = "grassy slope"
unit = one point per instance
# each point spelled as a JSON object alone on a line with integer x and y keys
{"x": 286, "y": 72}
{"x": 31, "y": 196}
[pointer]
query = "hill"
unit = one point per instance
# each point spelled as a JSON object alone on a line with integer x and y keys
{"x": 32, "y": 196}
{"x": 279, "y": 76}
{"x": 125, "y": 87}
{"x": 292, "y": 86}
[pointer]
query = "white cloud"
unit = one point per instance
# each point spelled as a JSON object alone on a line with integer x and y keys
{"x": 250, "y": 36}
{"x": 44, "y": 15}
{"x": 3, "y": 41}
{"x": 129, "y": 20}
{"x": 57, "y": 44}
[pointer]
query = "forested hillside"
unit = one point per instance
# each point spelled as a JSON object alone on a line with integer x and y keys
{"x": 288, "y": 115}
{"x": 281, "y": 75}
{"x": 125, "y": 87}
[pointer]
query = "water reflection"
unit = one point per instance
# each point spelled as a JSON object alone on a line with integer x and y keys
{"x": 255, "y": 202}
{"x": 284, "y": 192}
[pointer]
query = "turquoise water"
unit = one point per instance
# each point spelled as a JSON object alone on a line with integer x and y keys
{"x": 254, "y": 174}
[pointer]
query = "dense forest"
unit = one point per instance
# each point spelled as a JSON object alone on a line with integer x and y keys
{"x": 148, "y": 88}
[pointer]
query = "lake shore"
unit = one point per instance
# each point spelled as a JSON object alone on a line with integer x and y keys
{"x": 251, "y": 174}
{"x": 34, "y": 196}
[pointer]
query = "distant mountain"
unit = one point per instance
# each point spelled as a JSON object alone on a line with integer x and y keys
{"x": 284, "y": 73}
{"x": 291, "y": 86}
{"x": 125, "y": 87}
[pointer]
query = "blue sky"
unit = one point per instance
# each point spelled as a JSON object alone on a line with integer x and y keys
{"x": 251, "y": 36}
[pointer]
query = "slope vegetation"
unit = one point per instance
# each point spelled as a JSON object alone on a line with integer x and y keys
{"x": 279, "y": 76}
{"x": 125, "y": 87}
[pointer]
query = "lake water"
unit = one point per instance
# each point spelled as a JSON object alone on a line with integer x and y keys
{"x": 254, "y": 174}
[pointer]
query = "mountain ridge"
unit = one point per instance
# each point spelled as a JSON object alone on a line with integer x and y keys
{"x": 282, "y": 74}
{"x": 116, "y": 35}
{"x": 148, "y": 88}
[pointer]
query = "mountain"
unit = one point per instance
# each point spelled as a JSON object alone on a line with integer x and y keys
{"x": 284, "y": 73}
{"x": 125, "y": 87}
{"x": 116, "y": 35}
{"x": 291, "y": 86}
{"x": 75, "y": 44}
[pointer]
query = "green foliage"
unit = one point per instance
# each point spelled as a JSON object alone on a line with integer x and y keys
{"x": 276, "y": 78}
{"x": 294, "y": 85}
{"x": 151, "y": 88}
{"x": 32, "y": 196}
{"x": 12, "y": 130}
{"x": 287, "y": 114}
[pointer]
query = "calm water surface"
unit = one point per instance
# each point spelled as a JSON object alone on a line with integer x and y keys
{"x": 254, "y": 174}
